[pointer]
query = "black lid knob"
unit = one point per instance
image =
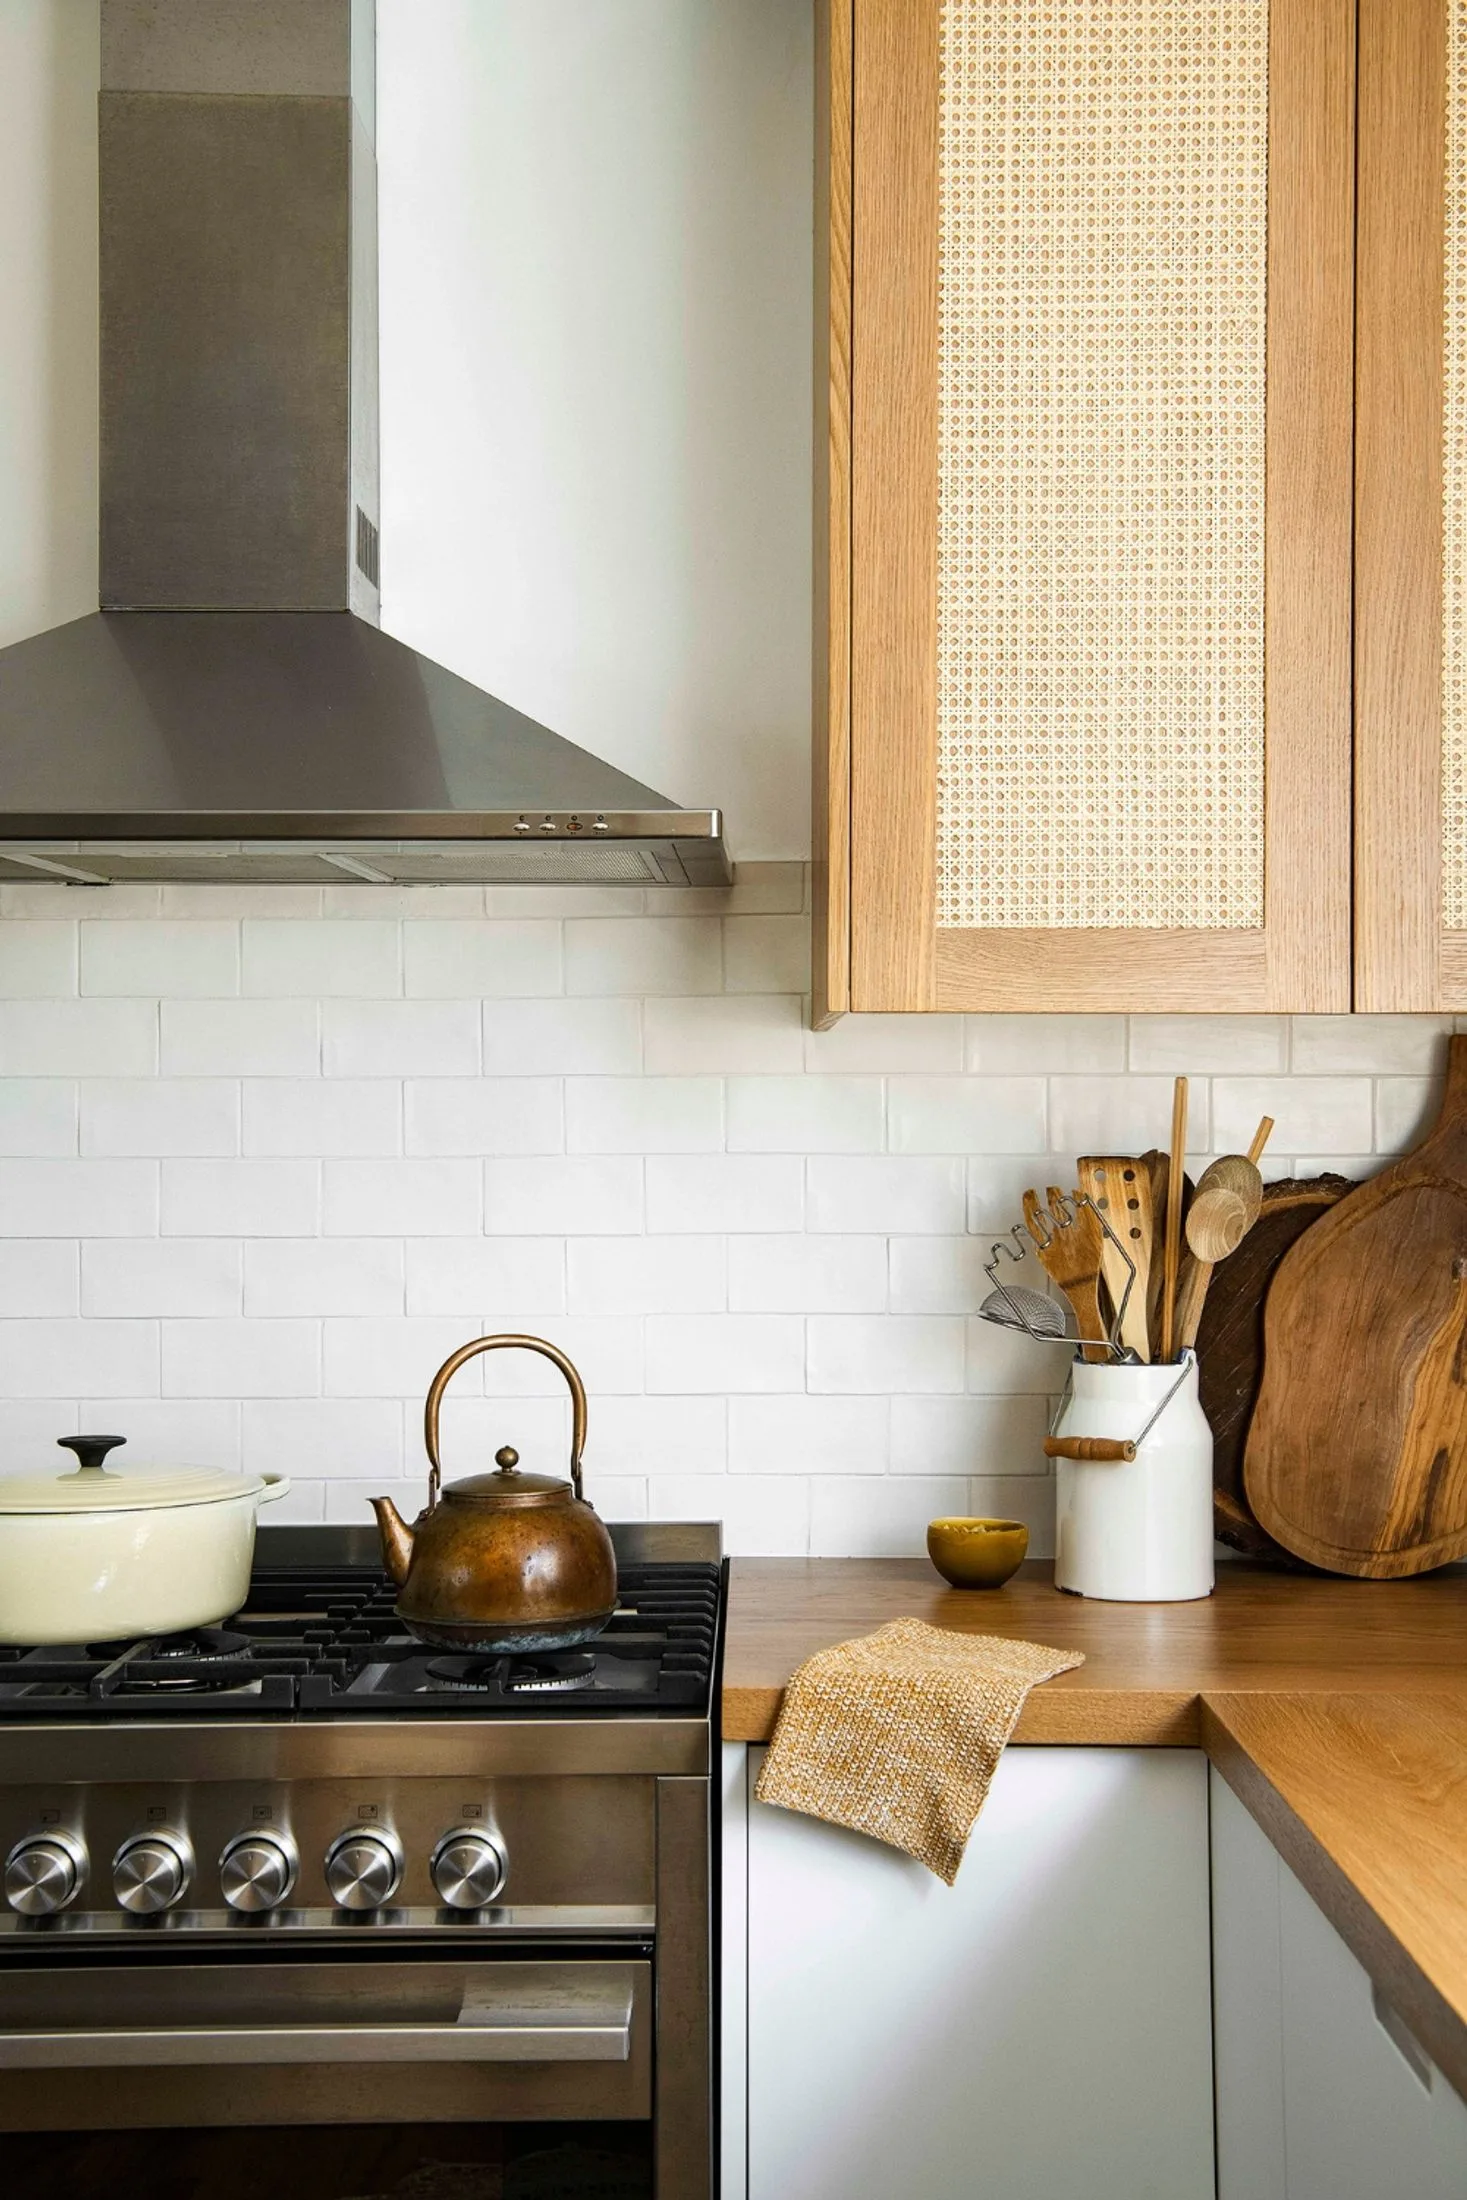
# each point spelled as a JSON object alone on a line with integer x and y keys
{"x": 90, "y": 1450}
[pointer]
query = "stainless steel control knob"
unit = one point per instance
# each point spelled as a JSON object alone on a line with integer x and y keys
{"x": 257, "y": 1871}
{"x": 363, "y": 1867}
{"x": 151, "y": 1872}
{"x": 468, "y": 1868}
{"x": 44, "y": 1872}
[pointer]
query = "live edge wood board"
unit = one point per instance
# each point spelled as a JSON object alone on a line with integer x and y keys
{"x": 877, "y": 943}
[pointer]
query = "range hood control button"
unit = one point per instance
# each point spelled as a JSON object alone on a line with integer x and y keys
{"x": 44, "y": 1872}
{"x": 363, "y": 1869}
{"x": 257, "y": 1871}
{"x": 152, "y": 1872}
{"x": 468, "y": 1868}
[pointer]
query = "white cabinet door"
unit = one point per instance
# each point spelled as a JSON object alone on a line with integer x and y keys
{"x": 1316, "y": 2100}
{"x": 1041, "y": 2031}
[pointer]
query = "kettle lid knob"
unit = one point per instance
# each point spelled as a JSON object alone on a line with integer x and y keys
{"x": 507, "y": 1459}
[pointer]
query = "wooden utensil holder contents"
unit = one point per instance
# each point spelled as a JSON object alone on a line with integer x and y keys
{"x": 1133, "y": 1484}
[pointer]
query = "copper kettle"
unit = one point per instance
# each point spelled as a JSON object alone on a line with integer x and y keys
{"x": 504, "y": 1561}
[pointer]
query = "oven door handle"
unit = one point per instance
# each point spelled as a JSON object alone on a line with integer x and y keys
{"x": 593, "y": 2024}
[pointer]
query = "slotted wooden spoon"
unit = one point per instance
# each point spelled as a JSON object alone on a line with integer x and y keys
{"x": 1121, "y": 1188}
{"x": 1070, "y": 1255}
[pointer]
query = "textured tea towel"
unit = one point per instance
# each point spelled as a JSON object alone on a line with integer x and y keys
{"x": 897, "y": 1734}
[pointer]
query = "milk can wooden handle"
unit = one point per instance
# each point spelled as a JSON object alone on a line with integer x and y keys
{"x": 1088, "y": 1448}
{"x": 451, "y": 1367}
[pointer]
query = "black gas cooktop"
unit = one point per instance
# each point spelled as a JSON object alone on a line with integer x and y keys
{"x": 324, "y": 1639}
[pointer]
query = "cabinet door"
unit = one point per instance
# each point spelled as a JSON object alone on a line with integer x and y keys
{"x": 1322, "y": 2094}
{"x": 1411, "y": 508}
{"x": 1040, "y": 2031}
{"x": 1087, "y": 283}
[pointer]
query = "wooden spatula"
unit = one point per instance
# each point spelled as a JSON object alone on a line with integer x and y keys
{"x": 1121, "y": 1188}
{"x": 1072, "y": 1257}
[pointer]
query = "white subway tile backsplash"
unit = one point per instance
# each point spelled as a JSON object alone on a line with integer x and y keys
{"x": 322, "y": 1276}
{"x": 795, "y": 1274}
{"x": 285, "y": 960}
{"x": 965, "y": 1114}
{"x": 567, "y": 1195}
{"x": 248, "y": 1358}
{"x": 969, "y": 1435}
{"x": 74, "y": 1359}
{"x": 38, "y": 1276}
{"x": 1193, "y": 1046}
{"x": 164, "y": 1116}
{"x": 1370, "y": 1045}
{"x": 725, "y": 1352}
{"x": 233, "y": 1039}
{"x": 161, "y": 956}
{"x": 643, "y": 1115}
{"x": 643, "y": 955}
{"x": 753, "y": 1033}
{"x": 940, "y": 1275}
{"x": 646, "y": 1275}
{"x": 562, "y": 1038}
{"x": 896, "y": 1043}
{"x": 491, "y": 959}
{"x": 328, "y": 1116}
{"x": 766, "y": 954}
{"x": 369, "y": 1125}
{"x": 79, "y": 1198}
{"x": 37, "y": 959}
{"x": 885, "y": 1194}
{"x": 400, "y": 1038}
{"x": 883, "y": 1354}
{"x": 1049, "y": 1044}
{"x": 805, "y": 1115}
{"x": 483, "y": 1115}
{"x": 498, "y": 1283}
{"x": 93, "y": 1038}
{"x": 408, "y": 1198}
{"x": 728, "y": 1192}
{"x": 157, "y": 1276}
{"x": 38, "y": 1115}
{"x": 797, "y": 1434}
{"x": 1320, "y": 1114}
{"x": 880, "y": 1516}
{"x": 241, "y": 1198}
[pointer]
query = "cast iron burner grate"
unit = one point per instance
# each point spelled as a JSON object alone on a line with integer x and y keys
{"x": 325, "y": 1639}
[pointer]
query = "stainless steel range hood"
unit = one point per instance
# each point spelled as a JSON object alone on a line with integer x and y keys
{"x": 233, "y": 710}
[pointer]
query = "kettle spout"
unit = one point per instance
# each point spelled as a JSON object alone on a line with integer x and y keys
{"x": 397, "y": 1539}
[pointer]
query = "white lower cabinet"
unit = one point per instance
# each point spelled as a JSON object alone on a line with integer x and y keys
{"x": 1322, "y": 2094}
{"x": 1041, "y": 2031}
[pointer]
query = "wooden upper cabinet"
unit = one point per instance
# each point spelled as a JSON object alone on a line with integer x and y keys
{"x": 1411, "y": 508}
{"x": 1084, "y": 508}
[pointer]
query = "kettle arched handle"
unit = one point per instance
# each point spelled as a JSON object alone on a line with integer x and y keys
{"x": 451, "y": 1367}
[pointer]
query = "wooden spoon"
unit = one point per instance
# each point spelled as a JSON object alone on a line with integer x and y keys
{"x": 1121, "y": 1189}
{"x": 1233, "y": 1172}
{"x": 1176, "y": 1164}
{"x": 1217, "y": 1223}
{"x": 1071, "y": 1256}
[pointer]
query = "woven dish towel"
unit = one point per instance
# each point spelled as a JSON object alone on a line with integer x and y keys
{"x": 897, "y": 1734}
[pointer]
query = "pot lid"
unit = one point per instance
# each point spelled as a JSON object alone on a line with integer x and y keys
{"x": 508, "y": 1487}
{"x": 93, "y": 1487}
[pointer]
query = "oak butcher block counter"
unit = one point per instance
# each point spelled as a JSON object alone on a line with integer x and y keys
{"x": 1336, "y": 1710}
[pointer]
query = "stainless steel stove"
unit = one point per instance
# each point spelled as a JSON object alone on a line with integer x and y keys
{"x": 300, "y": 1869}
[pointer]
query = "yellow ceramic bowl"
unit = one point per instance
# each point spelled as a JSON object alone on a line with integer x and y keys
{"x": 977, "y": 1554}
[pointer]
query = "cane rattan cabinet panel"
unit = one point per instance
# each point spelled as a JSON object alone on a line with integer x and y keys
{"x": 1084, "y": 512}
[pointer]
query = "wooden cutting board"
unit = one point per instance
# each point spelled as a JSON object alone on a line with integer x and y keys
{"x": 1357, "y": 1453}
{"x": 1230, "y": 1347}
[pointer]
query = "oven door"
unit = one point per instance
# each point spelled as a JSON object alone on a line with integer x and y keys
{"x": 106, "y": 2047}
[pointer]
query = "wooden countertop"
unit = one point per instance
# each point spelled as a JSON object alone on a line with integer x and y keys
{"x": 1336, "y": 1710}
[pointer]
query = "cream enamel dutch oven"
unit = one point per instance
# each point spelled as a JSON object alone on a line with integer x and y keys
{"x": 99, "y": 1554}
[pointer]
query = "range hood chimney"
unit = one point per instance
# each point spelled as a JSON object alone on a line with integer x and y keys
{"x": 233, "y": 710}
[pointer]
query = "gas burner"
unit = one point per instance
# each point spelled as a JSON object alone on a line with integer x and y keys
{"x": 200, "y": 1646}
{"x": 557, "y": 1673}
